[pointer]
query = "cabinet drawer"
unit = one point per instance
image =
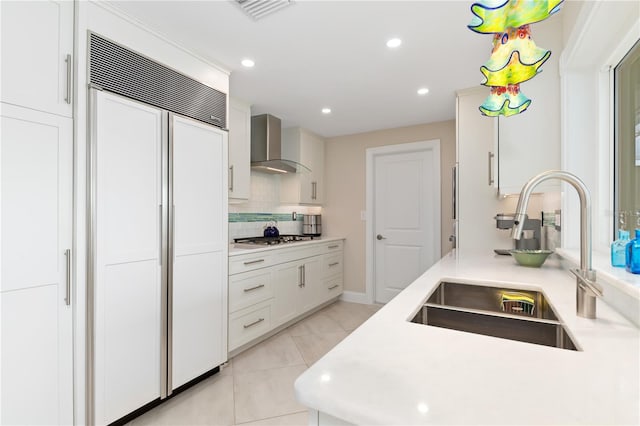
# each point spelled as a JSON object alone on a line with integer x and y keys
{"x": 249, "y": 262}
{"x": 331, "y": 288}
{"x": 248, "y": 324}
{"x": 249, "y": 288}
{"x": 332, "y": 264}
{"x": 333, "y": 246}
{"x": 291, "y": 254}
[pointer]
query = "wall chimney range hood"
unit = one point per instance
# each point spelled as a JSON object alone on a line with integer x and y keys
{"x": 266, "y": 147}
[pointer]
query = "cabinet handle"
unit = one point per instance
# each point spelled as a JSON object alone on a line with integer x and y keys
{"x": 173, "y": 234}
{"x": 334, "y": 286}
{"x": 304, "y": 275}
{"x": 258, "y": 321}
{"x": 68, "y": 63}
{"x": 490, "y": 161}
{"x": 314, "y": 190}
{"x": 231, "y": 178}
{"x": 453, "y": 192}
{"x": 333, "y": 246}
{"x": 334, "y": 264}
{"x": 67, "y": 297}
{"x": 252, "y": 262}
{"x": 247, "y": 290}
{"x": 160, "y": 234}
{"x": 300, "y": 279}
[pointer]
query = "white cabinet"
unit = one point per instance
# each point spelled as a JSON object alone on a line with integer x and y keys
{"x": 239, "y": 150}
{"x": 37, "y": 43}
{"x": 250, "y": 288}
{"x": 248, "y": 324}
{"x": 270, "y": 289}
{"x": 496, "y": 156}
{"x": 332, "y": 273}
{"x": 250, "y": 298}
{"x": 308, "y": 149}
{"x": 35, "y": 284}
{"x": 36, "y": 210}
{"x": 476, "y": 203}
{"x": 296, "y": 289}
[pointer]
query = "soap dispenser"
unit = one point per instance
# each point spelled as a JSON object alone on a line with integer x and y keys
{"x": 619, "y": 246}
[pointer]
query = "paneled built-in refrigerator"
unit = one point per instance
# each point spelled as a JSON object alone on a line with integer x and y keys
{"x": 158, "y": 253}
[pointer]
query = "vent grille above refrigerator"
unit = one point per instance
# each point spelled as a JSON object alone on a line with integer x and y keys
{"x": 258, "y": 9}
{"x": 127, "y": 73}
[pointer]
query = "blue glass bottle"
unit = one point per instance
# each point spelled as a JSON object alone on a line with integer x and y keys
{"x": 618, "y": 249}
{"x": 632, "y": 256}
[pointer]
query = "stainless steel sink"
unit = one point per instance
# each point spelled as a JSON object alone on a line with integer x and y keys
{"x": 487, "y": 299}
{"x": 478, "y": 309}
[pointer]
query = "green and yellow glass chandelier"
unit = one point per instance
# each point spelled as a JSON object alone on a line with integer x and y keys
{"x": 515, "y": 58}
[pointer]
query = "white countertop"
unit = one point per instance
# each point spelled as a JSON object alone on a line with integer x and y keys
{"x": 239, "y": 249}
{"x": 391, "y": 371}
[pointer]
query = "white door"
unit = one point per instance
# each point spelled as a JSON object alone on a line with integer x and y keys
{"x": 406, "y": 214}
{"x": 37, "y": 43}
{"x": 199, "y": 340}
{"x": 36, "y": 230}
{"x": 128, "y": 271}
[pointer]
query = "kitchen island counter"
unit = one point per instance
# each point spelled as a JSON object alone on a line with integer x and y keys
{"x": 391, "y": 371}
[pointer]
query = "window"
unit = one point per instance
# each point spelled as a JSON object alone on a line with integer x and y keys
{"x": 627, "y": 137}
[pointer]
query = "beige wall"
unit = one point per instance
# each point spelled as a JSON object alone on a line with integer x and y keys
{"x": 345, "y": 185}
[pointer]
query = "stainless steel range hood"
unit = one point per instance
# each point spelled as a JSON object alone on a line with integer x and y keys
{"x": 266, "y": 147}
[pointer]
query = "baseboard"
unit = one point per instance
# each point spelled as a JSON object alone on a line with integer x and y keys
{"x": 355, "y": 297}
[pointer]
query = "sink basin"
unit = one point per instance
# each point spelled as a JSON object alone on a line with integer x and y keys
{"x": 478, "y": 309}
{"x": 488, "y": 299}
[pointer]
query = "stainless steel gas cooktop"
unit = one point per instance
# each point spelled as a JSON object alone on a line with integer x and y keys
{"x": 269, "y": 241}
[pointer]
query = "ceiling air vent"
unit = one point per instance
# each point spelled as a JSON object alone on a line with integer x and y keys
{"x": 258, "y": 9}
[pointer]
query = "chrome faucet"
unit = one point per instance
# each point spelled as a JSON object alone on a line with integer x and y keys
{"x": 586, "y": 287}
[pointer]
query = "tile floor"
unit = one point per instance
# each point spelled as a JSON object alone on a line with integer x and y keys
{"x": 256, "y": 388}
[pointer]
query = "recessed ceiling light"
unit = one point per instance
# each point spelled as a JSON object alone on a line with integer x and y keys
{"x": 247, "y": 63}
{"x": 326, "y": 110}
{"x": 394, "y": 42}
{"x": 423, "y": 91}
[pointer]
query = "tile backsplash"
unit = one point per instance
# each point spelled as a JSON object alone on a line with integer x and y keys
{"x": 238, "y": 228}
{"x": 249, "y": 219}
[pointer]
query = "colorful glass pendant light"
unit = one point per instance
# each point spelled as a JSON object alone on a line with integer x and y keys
{"x": 515, "y": 58}
{"x": 495, "y": 16}
{"x": 505, "y": 101}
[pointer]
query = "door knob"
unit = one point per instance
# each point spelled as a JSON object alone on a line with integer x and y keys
{"x": 380, "y": 237}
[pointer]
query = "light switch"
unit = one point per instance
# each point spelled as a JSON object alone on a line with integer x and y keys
{"x": 363, "y": 215}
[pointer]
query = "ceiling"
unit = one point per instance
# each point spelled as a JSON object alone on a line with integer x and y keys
{"x": 317, "y": 54}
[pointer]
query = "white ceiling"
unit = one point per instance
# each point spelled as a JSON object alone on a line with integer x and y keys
{"x": 317, "y": 54}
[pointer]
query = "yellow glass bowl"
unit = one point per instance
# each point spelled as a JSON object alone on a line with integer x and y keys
{"x": 530, "y": 258}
